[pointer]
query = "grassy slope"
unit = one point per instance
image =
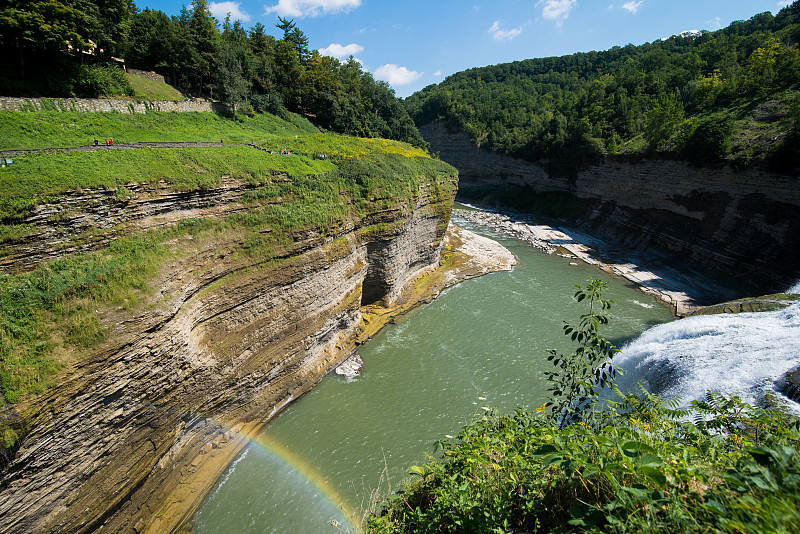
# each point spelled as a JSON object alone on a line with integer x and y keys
{"x": 66, "y": 129}
{"x": 145, "y": 89}
{"x": 50, "y": 312}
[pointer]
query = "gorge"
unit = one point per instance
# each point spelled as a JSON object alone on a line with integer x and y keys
{"x": 133, "y": 434}
{"x": 733, "y": 229}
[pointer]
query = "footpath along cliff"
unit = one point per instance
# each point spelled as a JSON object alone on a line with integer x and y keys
{"x": 740, "y": 226}
{"x": 133, "y": 434}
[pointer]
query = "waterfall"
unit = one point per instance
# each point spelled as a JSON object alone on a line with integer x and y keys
{"x": 742, "y": 354}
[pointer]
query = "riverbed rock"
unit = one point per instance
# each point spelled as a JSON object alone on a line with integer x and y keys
{"x": 772, "y": 302}
{"x": 351, "y": 367}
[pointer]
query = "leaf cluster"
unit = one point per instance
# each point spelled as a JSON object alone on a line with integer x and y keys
{"x": 577, "y": 379}
{"x": 642, "y": 468}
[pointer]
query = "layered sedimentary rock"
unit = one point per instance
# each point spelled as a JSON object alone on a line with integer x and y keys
{"x": 133, "y": 437}
{"x": 743, "y": 223}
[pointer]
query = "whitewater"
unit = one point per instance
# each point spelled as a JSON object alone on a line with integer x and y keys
{"x": 734, "y": 354}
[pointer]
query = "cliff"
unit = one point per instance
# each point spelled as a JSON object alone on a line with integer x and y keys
{"x": 133, "y": 435}
{"x": 742, "y": 226}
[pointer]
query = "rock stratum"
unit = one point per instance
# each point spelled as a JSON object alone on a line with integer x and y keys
{"x": 133, "y": 436}
{"x": 741, "y": 224}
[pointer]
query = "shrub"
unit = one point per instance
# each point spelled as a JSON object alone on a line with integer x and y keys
{"x": 710, "y": 141}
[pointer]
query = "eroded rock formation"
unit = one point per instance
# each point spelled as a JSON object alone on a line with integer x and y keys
{"x": 744, "y": 224}
{"x": 133, "y": 437}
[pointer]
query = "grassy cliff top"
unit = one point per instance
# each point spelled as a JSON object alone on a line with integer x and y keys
{"x": 46, "y": 129}
{"x": 56, "y": 308}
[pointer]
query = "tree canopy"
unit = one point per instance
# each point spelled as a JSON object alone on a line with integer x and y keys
{"x": 66, "y": 48}
{"x": 655, "y": 96}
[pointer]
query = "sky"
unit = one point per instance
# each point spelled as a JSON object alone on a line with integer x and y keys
{"x": 415, "y": 43}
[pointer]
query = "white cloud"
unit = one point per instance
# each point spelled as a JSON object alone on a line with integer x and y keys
{"x": 437, "y": 73}
{"x": 557, "y": 10}
{"x": 338, "y": 51}
{"x": 504, "y": 35}
{"x": 310, "y": 8}
{"x": 784, "y": 3}
{"x": 632, "y": 6}
{"x": 396, "y": 75}
{"x": 714, "y": 24}
{"x": 221, "y": 9}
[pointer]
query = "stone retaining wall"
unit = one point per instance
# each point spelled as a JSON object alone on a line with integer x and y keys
{"x": 103, "y": 104}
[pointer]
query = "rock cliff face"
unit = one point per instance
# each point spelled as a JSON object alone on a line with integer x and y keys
{"x": 133, "y": 437}
{"x": 744, "y": 224}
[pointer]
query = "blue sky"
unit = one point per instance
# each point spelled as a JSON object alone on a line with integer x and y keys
{"x": 414, "y": 43}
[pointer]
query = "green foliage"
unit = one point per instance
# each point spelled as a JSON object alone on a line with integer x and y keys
{"x": 247, "y": 70}
{"x": 95, "y": 81}
{"x": 578, "y": 377}
{"x": 710, "y": 140}
{"x": 570, "y": 110}
{"x": 644, "y": 468}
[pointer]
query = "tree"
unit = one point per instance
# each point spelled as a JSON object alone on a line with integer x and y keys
{"x": 296, "y": 38}
{"x": 42, "y": 28}
{"x": 234, "y": 87}
{"x": 665, "y": 114}
{"x": 205, "y": 41}
{"x": 578, "y": 377}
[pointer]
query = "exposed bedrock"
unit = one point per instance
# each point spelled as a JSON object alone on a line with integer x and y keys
{"x": 744, "y": 225}
{"x": 135, "y": 435}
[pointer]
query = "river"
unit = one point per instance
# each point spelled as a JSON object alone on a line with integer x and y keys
{"x": 481, "y": 344}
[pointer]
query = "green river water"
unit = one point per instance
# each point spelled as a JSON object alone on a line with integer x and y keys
{"x": 481, "y": 344}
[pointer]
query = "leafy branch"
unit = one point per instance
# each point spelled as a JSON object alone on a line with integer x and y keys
{"x": 578, "y": 377}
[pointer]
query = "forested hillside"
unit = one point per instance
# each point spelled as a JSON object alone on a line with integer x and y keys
{"x": 728, "y": 95}
{"x": 75, "y": 48}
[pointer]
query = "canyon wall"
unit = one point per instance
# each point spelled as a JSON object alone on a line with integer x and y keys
{"x": 740, "y": 225}
{"x": 132, "y": 437}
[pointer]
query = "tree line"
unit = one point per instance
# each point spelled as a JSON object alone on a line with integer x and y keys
{"x": 74, "y": 48}
{"x": 670, "y": 95}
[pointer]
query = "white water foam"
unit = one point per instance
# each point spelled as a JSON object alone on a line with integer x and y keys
{"x": 740, "y": 354}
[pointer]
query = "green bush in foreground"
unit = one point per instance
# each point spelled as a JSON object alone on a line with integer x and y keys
{"x": 639, "y": 466}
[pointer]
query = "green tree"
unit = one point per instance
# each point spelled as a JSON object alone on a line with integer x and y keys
{"x": 205, "y": 43}
{"x": 41, "y": 28}
{"x": 578, "y": 377}
{"x": 233, "y": 85}
{"x": 294, "y": 36}
{"x": 665, "y": 114}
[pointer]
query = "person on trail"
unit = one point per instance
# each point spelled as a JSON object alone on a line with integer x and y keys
{"x": 96, "y": 142}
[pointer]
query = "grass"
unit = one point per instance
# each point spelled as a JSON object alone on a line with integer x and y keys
{"x": 56, "y": 308}
{"x": 46, "y": 129}
{"x": 146, "y": 89}
{"x": 41, "y": 177}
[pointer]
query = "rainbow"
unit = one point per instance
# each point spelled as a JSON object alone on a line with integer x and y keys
{"x": 305, "y": 470}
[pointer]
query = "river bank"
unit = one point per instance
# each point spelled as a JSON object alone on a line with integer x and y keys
{"x": 482, "y": 343}
{"x": 682, "y": 292}
{"x": 465, "y": 255}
